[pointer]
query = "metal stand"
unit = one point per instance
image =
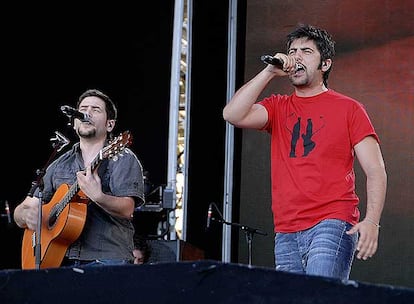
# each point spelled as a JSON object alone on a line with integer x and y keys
{"x": 248, "y": 230}
{"x": 7, "y": 212}
{"x": 58, "y": 143}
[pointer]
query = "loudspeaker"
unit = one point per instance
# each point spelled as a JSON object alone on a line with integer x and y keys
{"x": 173, "y": 251}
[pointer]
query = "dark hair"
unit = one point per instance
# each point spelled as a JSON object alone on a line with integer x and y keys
{"x": 322, "y": 39}
{"x": 110, "y": 107}
{"x": 141, "y": 243}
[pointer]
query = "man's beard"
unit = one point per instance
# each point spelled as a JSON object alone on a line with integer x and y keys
{"x": 303, "y": 81}
{"x": 87, "y": 134}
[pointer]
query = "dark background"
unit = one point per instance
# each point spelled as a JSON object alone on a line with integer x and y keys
{"x": 51, "y": 57}
{"x": 54, "y": 54}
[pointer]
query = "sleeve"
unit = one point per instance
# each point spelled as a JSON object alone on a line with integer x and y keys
{"x": 361, "y": 125}
{"x": 268, "y": 104}
{"x": 127, "y": 177}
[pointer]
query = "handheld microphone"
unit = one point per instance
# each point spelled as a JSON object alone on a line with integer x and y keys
{"x": 209, "y": 214}
{"x": 73, "y": 113}
{"x": 273, "y": 61}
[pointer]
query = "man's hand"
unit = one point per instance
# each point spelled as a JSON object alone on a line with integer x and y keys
{"x": 368, "y": 238}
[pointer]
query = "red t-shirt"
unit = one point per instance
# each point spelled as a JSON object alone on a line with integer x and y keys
{"x": 312, "y": 157}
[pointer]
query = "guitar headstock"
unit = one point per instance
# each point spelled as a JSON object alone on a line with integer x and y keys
{"x": 116, "y": 146}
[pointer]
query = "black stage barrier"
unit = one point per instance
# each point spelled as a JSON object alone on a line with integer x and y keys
{"x": 187, "y": 282}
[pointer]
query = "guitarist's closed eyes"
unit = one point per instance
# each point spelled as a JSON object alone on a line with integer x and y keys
{"x": 89, "y": 194}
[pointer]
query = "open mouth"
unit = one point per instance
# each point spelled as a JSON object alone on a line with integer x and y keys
{"x": 299, "y": 69}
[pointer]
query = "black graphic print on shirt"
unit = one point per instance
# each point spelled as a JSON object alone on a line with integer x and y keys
{"x": 302, "y": 131}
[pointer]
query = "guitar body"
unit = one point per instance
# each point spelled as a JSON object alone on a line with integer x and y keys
{"x": 63, "y": 218}
{"x": 57, "y": 235}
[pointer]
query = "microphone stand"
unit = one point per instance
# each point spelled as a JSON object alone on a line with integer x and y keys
{"x": 58, "y": 143}
{"x": 7, "y": 212}
{"x": 249, "y": 231}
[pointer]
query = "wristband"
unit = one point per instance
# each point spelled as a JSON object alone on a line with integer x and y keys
{"x": 372, "y": 222}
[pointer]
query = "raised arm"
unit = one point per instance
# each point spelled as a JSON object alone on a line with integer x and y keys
{"x": 242, "y": 110}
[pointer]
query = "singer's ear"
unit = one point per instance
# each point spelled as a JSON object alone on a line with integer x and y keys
{"x": 110, "y": 126}
{"x": 326, "y": 65}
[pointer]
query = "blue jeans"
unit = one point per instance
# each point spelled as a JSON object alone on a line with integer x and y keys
{"x": 323, "y": 250}
{"x": 78, "y": 263}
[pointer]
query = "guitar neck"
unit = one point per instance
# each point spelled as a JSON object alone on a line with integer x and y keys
{"x": 109, "y": 151}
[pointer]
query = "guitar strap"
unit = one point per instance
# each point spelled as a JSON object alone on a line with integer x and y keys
{"x": 103, "y": 166}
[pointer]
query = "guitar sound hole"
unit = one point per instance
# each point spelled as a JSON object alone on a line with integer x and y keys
{"x": 52, "y": 219}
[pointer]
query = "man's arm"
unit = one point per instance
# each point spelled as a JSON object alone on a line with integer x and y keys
{"x": 370, "y": 158}
{"x": 241, "y": 110}
{"x": 26, "y": 213}
{"x": 90, "y": 184}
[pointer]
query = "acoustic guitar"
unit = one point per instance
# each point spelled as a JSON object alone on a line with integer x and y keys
{"x": 63, "y": 218}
